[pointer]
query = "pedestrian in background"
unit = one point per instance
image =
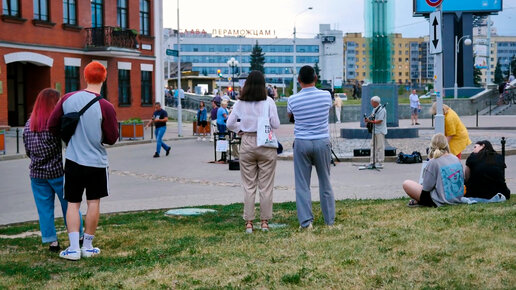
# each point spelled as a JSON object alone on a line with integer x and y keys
{"x": 454, "y": 130}
{"x": 222, "y": 116}
{"x": 86, "y": 166}
{"x": 311, "y": 147}
{"x": 46, "y": 166}
{"x": 337, "y": 102}
{"x": 257, "y": 164}
{"x": 415, "y": 106}
{"x": 159, "y": 118}
{"x": 202, "y": 121}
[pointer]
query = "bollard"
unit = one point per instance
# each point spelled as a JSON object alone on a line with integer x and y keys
{"x": 152, "y": 130}
{"x": 489, "y": 107}
{"x": 17, "y": 140}
{"x": 477, "y": 118}
{"x": 503, "y": 155}
{"x": 432, "y": 120}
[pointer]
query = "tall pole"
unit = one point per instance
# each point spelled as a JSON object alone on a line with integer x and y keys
{"x": 294, "y": 70}
{"x": 455, "y": 88}
{"x": 158, "y": 46}
{"x": 179, "y": 106}
{"x": 488, "y": 63}
{"x": 438, "y": 86}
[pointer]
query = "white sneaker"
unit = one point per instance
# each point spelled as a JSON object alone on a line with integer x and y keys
{"x": 198, "y": 138}
{"x": 204, "y": 139}
{"x": 87, "y": 253}
{"x": 307, "y": 228}
{"x": 70, "y": 255}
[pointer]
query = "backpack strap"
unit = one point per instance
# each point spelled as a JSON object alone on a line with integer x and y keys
{"x": 89, "y": 105}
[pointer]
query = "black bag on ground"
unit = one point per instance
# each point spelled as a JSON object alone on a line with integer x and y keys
{"x": 415, "y": 157}
{"x": 69, "y": 121}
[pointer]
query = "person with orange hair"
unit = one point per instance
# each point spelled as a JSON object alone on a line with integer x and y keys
{"x": 86, "y": 165}
{"x": 46, "y": 165}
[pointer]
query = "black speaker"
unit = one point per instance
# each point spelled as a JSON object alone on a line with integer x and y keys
{"x": 234, "y": 164}
{"x": 389, "y": 151}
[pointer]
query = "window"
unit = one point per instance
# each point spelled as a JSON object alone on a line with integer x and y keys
{"x": 11, "y": 8}
{"x": 124, "y": 87}
{"x": 146, "y": 88}
{"x": 69, "y": 12}
{"x": 72, "y": 79}
{"x": 97, "y": 12}
{"x": 144, "y": 17}
{"x": 41, "y": 10}
{"x": 121, "y": 13}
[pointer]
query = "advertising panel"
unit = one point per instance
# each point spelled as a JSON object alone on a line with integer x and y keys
{"x": 421, "y": 7}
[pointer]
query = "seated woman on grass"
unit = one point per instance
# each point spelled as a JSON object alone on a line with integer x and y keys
{"x": 443, "y": 178}
{"x": 484, "y": 172}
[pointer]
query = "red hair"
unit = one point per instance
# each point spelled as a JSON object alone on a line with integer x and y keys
{"x": 43, "y": 107}
{"x": 95, "y": 73}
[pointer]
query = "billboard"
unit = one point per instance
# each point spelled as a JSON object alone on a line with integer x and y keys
{"x": 477, "y": 6}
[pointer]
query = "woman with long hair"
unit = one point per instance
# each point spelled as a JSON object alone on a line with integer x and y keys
{"x": 46, "y": 165}
{"x": 443, "y": 177}
{"x": 484, "y": 172}
{"x": 257, "y": 164}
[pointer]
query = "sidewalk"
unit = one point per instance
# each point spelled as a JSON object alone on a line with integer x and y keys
{"x": 491, "y": 128}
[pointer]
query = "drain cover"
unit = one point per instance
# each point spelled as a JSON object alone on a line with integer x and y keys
{"x": 189, "y": 211}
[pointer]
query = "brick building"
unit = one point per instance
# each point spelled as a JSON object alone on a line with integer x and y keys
{"x": 47, "y": 43}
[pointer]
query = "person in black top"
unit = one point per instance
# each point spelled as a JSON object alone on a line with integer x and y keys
{"x": 484, "y": 173}
{"x": 159, "y": 118}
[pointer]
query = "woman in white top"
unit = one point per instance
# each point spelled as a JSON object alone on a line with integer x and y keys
{"x": 257, "y": 164}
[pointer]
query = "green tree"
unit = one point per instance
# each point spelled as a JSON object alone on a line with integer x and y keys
{"x": 318, "y": 74}
{"x": 257, "y": 58}
{"x": 477, "y": 77}
{"x": 498, "y": 75}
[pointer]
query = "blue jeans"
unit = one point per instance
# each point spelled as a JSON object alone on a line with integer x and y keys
{"x": 307, "y": 153}
{"x": 44, "y": 191}
{"x": 159, "y": 137}
{"x": 222, "y": 129}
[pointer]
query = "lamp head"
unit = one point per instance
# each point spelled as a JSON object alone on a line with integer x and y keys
{"x": 467, "y": 41}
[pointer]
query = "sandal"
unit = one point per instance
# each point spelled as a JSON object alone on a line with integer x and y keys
{"x": 265, "y": 225}
{"x": 413, "y": 203}
{"x": 249, "y": 227}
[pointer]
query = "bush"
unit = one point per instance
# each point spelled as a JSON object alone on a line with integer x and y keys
{"x": 133, "y": 120}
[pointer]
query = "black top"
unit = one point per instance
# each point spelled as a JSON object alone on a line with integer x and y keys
{"x": 161, "y": 114}
{"x": 486, "y": 180}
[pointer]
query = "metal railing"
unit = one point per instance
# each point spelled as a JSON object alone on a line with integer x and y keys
{"x": 110, "y": 36}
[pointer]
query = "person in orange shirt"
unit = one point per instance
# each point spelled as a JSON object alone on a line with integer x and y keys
{"x": 454, "y": 130}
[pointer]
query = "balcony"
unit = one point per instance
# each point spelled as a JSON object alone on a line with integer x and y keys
{"x": 111, "y": 41}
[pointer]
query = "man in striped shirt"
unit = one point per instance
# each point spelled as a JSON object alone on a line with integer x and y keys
{"x": 310, "y": 108}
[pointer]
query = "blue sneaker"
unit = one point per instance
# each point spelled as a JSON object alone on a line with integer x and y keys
{"x": 70, "y": 255}
{"x": 87, "y": 253}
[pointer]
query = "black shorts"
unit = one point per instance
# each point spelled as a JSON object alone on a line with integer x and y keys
{"x": 425, "y": 199}
{"x": 78, "y": 177}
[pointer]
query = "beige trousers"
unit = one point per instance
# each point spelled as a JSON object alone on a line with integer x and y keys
{"x": 257, "y": 168}
{"x": 380, "y": 148}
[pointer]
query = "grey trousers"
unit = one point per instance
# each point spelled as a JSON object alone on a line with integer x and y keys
{"x": 380, "y": 149}
{"x": 308, "y": 153}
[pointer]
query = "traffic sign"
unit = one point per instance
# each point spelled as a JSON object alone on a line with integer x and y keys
{"x": 434, "y": 3}
{"x": 435, "y": 33}
{"x": 172, "y": 52}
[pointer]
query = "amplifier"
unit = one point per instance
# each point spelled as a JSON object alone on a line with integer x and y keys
{"x": 389, "y": 151}
{"x": 234, "y": 164}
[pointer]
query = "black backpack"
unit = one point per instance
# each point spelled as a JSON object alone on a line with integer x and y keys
{"x": 70, "y": 121}
{"x": 415, "y": 157}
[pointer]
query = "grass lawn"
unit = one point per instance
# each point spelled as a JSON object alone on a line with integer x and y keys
{"x": 375, "y": 244}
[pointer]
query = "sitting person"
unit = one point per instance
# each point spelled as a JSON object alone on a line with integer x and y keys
{"x": 443, "y": 177}
{"x": 484, "y": 172}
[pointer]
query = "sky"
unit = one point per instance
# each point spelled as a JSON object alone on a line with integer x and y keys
{"x": 280, "y": 15}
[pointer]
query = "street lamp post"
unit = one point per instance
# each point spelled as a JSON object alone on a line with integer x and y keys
{"x": 179, "y": 92}
{"x": 294, "y": 71}
{"x": 232, "y": 63}
{"x": 467, "y": 41}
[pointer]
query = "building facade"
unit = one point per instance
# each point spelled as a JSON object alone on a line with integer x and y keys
{"x": 207, "y": 55}
{"x": 410, "y": 60}
{"x": 47, "y": 43}
{"x": 502, "y": 51}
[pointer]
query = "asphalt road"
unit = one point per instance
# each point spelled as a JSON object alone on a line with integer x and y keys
{"x": 186, "y": 178}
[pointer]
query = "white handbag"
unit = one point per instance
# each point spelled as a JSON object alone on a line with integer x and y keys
{"x": 265, "y": 137}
